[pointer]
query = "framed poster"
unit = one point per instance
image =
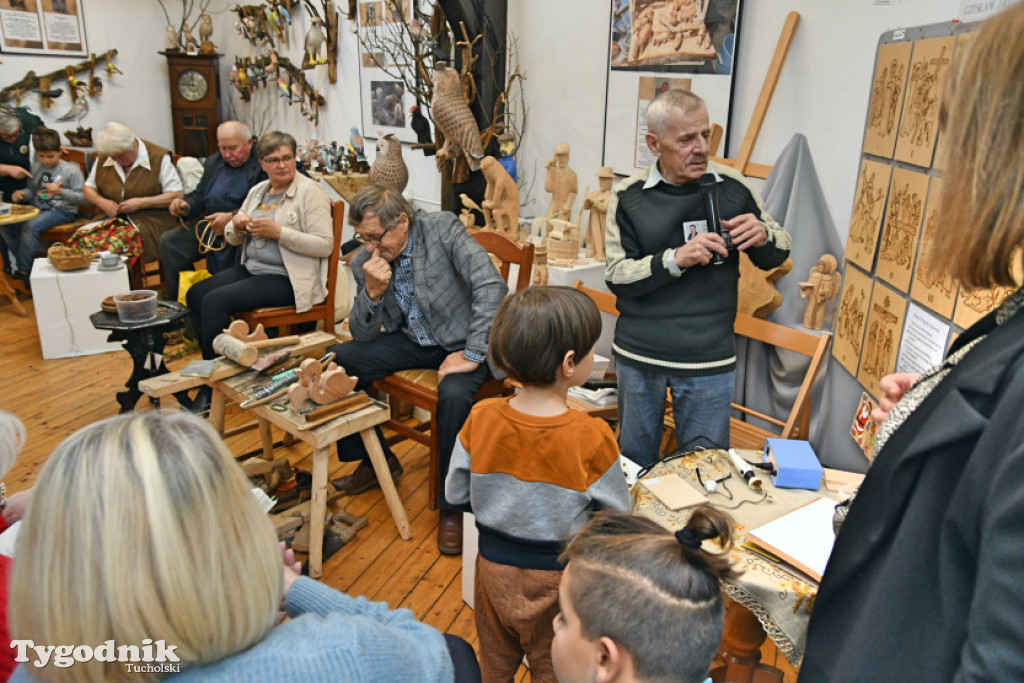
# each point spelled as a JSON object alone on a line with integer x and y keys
{"x": 46, "y": 27}
{"x": 654, "y": 45}
{"x": 384, "y": 99}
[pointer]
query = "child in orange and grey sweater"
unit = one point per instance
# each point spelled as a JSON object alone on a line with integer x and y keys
{"x": 533, "y": 471}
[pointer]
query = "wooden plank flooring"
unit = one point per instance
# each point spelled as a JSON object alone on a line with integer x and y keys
{"x": 54, "y": 398}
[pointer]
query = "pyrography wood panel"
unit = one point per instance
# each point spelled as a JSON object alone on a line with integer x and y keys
{"x": 919, "y": 122}
{"x": 929, "y": 289}
{"x": 868, "y": 209}
{"x": 904, "y": 213}
{"x": 972, "y": 306}
{"x": 886, "y": 98}
{"x": 963, "y": 41}
{"x": 851, "y": 318}
{"x": 881, "y": 338}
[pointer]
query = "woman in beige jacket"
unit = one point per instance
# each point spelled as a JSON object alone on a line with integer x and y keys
{"x": 285, "y": 225}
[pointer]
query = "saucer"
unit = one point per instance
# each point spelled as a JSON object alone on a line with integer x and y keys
{"x": 119, "y": 266}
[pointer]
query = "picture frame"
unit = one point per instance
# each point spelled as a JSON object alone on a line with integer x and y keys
{"x": 384, "y": 100}
{"x": 43, "y": 27}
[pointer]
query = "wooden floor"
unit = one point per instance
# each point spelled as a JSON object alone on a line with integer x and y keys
{"x": 56, "y": 397}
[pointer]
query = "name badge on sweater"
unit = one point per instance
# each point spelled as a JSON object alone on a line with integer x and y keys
{"x": 693, "y": 228}
{"x": 291, "y": 217}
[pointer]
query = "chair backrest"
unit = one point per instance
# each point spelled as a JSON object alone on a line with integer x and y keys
{"x": 508, "y": 252}
{"x": 337, "y": 223}
{"x": 605, "y": 301}
{"x": 77, "y": 156}
{"x": 797, "y": 423}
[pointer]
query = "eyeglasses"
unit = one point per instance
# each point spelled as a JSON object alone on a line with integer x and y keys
{"x": 375, "y": 240}
{"x": 274, "y": 161}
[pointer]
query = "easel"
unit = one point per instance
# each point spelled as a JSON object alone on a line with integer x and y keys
{"x": 742, "y": 162}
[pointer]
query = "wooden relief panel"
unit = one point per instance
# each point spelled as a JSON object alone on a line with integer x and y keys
{"x": 853, "y": 307}
{"x": 868, "y": 206}
{"x": 903, "y": 216}
{"x": 882, "y": 338}
{"x": 941, "y": 150}
{"x": 972, "y": 306}
{"x": 934, "y": 290}
{"x": 887, "y": 98}
{"x": 920, "y": 121}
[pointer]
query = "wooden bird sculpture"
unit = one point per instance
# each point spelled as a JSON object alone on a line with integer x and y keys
{"x": 314, "y": 39}
{"x": 205, "y": 27}
{"x": 111, "y": 69}
{"x": 453, "y": 117}
{"x": 388, "y": 168}
{"x": 172, "y": 40}
{"x": 321, "y": 387}
{"x": 355, "y": 143}
{"x": 421, "y": 127}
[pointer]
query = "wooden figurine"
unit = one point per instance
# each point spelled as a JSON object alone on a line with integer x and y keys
{"x": 501, "y": 199}
{"x": 821, "y": 287}
{"x": 453, "y": 117}
{"x": 467, "y": 216}
{"x": 388, "y": 168}
{"x": 320, "y": 386}
{"x": 240, "y": 330}
{"x": 563, "y": 243}
{"x": 597, "y": 202}
{"x": 562, "y": 183}
{"x": 540, "y": 266}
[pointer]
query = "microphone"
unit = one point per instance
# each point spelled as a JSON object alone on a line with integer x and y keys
{"x": 709, "y": 192}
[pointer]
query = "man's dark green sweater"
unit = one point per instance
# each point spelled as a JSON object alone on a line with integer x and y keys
{"x": 681, "y": 324}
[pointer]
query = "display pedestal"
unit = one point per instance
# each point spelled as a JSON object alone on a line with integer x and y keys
{"x": 63, "y": 302}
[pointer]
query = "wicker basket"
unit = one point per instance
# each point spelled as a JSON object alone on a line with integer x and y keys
{"x": 65, "y": 258}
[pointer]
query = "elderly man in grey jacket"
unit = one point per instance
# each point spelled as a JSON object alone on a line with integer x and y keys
{"x": 426, "y": 297}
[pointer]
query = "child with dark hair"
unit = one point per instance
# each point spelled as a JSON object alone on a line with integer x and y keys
{"x": 55, "y": 189}
{"x": 532, "y": 471}
{"x": 639, "y": 603}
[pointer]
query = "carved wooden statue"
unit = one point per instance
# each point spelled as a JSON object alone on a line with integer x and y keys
{"x": 563, "y": 243}
{"x": 467, "y": 216}
{"x": 321, "y": 387}
{"x": 821, "y": 287}
{"x": 562, "y": 183}
{"x": 597, "y": 202}
{"x": 453, "y": 117}
{"x": 388, "y": 168}
{"x": 540, "y": 266}
{"x": 501, "y": 199}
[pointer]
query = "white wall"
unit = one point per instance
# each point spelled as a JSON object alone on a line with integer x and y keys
{"x": 822, "y": 93}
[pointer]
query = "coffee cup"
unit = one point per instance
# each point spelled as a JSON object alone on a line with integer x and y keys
{"x": 108, "y": 260}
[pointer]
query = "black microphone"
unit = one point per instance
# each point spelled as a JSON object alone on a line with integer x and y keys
{"x": 709, "y": 191}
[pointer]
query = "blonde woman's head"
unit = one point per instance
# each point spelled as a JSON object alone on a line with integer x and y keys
{"x": 142, "y": 526}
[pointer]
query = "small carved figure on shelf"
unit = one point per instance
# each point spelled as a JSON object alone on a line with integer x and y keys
{"x": 597, "y": 202}
{"x": 467, "y": 216}
{"x": 562, "y": 183}
{"x": 453, "y": 117}
{"x": 320, "y": 386}
{"x": 501, "y": 199}
{"x": 821, "y": 287}
{"x": 388, "y": 167}
{"x": 563, "y": 243}
{"x": 172, "y": 40}
{"x": 540, "y": 266}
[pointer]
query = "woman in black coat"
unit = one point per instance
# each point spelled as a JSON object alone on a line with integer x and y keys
{"x": 926, "y": 581}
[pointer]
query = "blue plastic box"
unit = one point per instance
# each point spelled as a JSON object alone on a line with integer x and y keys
{"x": 796, "y": 465}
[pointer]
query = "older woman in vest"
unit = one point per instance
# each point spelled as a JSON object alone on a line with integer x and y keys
{"x": 136, "y": 179}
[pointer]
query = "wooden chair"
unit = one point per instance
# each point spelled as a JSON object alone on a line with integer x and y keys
{"x": 419, "y": 386}
{"x": 86, "y": 212}
{"x": 280, "y": 316}
{"x": 605, "y": 302}
{"x": 796, "y": 424}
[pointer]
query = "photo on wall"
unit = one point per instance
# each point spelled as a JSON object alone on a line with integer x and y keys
{"x": 868, "y": 208}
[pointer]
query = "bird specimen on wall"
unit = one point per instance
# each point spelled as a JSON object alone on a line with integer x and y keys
{"x": 96, "y": 86}
{"x": 78, "y": 110}
{"x": 314, "y": 39}
{"x": 453, "y": 117}
{"x": 52, "y": 94}
{"x": 111, "y": 69}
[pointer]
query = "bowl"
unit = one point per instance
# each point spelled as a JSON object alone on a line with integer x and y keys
{"x": 137, "y": 306}
{"x": 600, "y": 367}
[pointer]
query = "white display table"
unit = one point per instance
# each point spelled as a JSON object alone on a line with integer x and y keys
{"x": 63, "y": 302}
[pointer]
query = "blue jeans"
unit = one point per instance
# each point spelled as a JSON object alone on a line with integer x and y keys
{"x": 23, "y": 238}
{"x": 700, "y": 406}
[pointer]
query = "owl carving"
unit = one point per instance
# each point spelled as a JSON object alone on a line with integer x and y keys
{"x": 388, "y": 168}
{"x": 453, "y": 117}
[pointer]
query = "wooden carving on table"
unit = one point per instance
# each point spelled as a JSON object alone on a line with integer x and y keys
{"x": 822, "y": 286}
{"x": 320, "y": 386}
{"x": 454, "y": 119}
{"x": 467, "y": 216}
{"x": 757, "y": 294}
{"x": 388, "y": 168}
{"x": 597, "y": 202}
{"x": 562, "y": 183}
{"x": 239, "y": 329}
{"x": 540, "y": 266}
{"x": 563, "y": 243}
{"x": 501, "y": 199}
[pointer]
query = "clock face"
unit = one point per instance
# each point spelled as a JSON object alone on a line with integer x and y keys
{"x": 192, "y": 85}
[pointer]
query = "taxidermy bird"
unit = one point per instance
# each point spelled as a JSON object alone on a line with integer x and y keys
{"x": 388, "y": 167}
{"x": 314, "y": 39}
{"x": 355, "y": 143}
{"x": 283, "y": 87}
{"x": 189, "y": 41}
{"x": 205, "y": 27}
{"x": 111, "y": 69}
{"x": 453, "y": 117}
{"x": 283, "y": 11}
{"x": 78, "y": 110}
{"x": 52, "y": 94}
{"x": 421, "y": 126}
{"x": 69, "y": 76}
{"x": 172, "y": 39}
{"x": 272, "y": 67}
{"x": 96, "y": 87}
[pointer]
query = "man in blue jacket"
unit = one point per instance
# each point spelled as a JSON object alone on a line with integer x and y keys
{"x": 228, "y": 175}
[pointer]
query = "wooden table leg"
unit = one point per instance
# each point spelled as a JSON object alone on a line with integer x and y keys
{"x": 216, "y": 417}
{"x": 739, "y": 654}
{"x": 318, "y": 512}
{"x": 387, "y": 484}
{"x": 266, "y": 438}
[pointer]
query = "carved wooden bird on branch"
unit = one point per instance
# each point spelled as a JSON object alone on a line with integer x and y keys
{"x": 314, "y": 39}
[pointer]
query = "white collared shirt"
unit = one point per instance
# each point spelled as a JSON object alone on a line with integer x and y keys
{"x": 169, "y": 179}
